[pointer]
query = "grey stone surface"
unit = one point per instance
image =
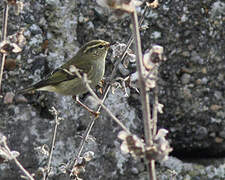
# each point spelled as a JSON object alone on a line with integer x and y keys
{"x": 191, "y": 87}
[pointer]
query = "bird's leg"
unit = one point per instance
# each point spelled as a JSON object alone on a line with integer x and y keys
{"x": 76, "y": 98}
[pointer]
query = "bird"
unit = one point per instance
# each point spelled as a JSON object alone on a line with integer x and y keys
{"x": 90, "y": 59}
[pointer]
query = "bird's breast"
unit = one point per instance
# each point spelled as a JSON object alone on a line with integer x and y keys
{"x": 96, "y": 74}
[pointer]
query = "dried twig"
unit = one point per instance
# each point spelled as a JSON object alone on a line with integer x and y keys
{"x": 144, "y": 94}
{"x": 103, "y": 106}
{"x": 90, "y": 125}
{"x": 106, "y": 91}
{"x": 86, "y": 134}
{"x": 4, "y": 33}
{"x": 85, "y": 80}
{"x": 130, "y": 41}
{"x": 28, "y": 175}
{"x": 155, "y": 109}
{"x": 57, "y": 120}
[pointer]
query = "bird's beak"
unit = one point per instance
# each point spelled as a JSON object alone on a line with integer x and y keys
{"x": 107, "y": 44}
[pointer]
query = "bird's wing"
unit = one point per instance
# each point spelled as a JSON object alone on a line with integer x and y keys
{"x": 63, "y": 74}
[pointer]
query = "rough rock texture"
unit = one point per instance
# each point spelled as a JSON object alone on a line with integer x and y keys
{"x": 191, "y": 84}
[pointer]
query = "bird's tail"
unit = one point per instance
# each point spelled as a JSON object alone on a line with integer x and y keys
{"x": 26, "y": 90}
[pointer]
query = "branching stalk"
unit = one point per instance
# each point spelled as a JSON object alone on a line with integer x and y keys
{"x": 85, "y": 80}
{"x": 130, "y": 41}
{"x": 140, "y": 68}
{"x": 104, "y": 107}
{"x": 28, "y": 175}
{"x": 86, "y": 134}
{"x": 155, "y": 108}
{"x": 57, "y": 119}
{"x": 144, "y": 95}
{"x": 4, "y": 34}
{"x": 113, "y": 74}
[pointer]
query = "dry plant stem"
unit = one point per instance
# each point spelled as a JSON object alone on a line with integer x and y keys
{"x": 152, "y": 170}
{"x": 87, "y": 131}
{"x": 18, "y": 163}
{"x": 131, "y": 39}
{"x": 144, "y": 95}
{"x": 52, "y": 148}
{"x": 4, "y": 33}
{"x": 90, "y": 125}
{"x": 93, "y": 120}
{"x": 155, "y": 109}
{"x": 85, "y": 107}
{"x": 106, "y": 109}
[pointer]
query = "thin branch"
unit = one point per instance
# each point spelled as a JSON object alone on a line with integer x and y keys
{"x": 90, "y": 125}
{"x": 104, "y": 107}
{"x": 130, "y": 41}
{"x": 155, "y": 107}
{"x": 106, "y": 91}
{"x": 152, "y": 171}
{"x": 144, "y": 94}
{"x": 140, "y": 67}
{"x": 5, "y": 21}
{"x": 57, "y": 119}
{"x": 86, "y": 81}
{"x": 4, "y": 34}
{"x": 113, "y": 74}
{"x": 17, "y": 162}
{"x": 86, "y": 134}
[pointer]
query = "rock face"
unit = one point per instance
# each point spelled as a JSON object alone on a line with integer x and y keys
{"x": 191, "y": 87}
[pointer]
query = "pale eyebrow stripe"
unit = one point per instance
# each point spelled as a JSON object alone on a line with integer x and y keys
{"x": 93, "y": 46}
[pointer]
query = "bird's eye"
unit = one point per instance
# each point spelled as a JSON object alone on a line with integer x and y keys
{"x": 100, "y": 46}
